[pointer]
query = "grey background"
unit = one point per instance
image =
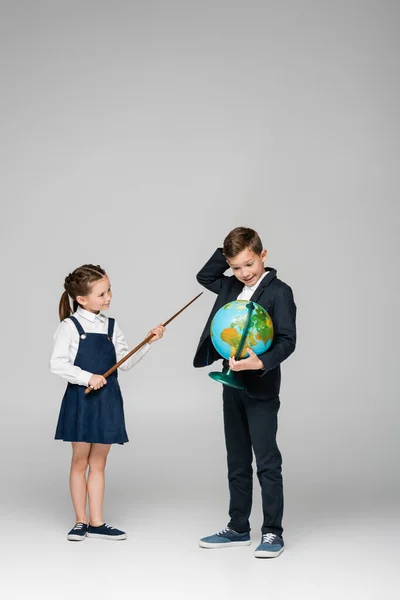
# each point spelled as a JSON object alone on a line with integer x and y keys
{"x": 136, "y": 135}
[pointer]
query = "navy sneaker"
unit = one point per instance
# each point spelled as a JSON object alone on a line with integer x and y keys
{"x": 225, "y": 538}
{"x": 106, "y": 532}
{"x": 271, "y": 546}
{"x": 77, "y": 533}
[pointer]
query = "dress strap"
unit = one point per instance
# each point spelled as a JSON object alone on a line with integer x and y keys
{"x": 79, "y": 327}
{"x": 111, "y": 323}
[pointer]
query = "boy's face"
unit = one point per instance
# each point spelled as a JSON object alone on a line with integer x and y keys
{"x": 247, "y": 266}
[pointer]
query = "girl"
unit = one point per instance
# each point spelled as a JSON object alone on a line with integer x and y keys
{"x": 86, "y": 344}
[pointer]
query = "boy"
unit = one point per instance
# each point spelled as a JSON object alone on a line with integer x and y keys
{"x": 250, "y": 415}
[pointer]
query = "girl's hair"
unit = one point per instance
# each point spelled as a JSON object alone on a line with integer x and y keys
{"x": 78, "y": 283}
{"x": 241, "y": 238}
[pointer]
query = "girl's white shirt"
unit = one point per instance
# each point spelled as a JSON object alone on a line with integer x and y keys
{"x": 66, "y": 343}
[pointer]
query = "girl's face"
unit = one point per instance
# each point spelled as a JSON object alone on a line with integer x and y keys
{"x": 99, "y": 297}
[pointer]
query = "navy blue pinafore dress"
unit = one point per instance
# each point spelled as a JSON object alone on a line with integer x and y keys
{"x": 98, "y": 417}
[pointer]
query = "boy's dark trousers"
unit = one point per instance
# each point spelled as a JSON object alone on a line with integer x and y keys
{"x": 252, "y": 423}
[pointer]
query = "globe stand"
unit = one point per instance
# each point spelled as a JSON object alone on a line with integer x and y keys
{"x": 229, "y": 377}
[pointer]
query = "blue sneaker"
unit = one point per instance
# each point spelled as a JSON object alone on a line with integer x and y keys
{"x": 77, "y": 533}
{"x": 225, "y": 538}
{"x": 271, "y": 546}
{"x": 106, "y": 532}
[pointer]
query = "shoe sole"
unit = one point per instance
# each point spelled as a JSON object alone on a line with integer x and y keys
{"x": 223, "y": 545}
{"x": 75, "y": 538}
{"x": 266, "y": 554}
{"x": 107, "y": 537}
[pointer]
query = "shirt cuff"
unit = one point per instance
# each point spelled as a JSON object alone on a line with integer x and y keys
{"x": 84, "y": 378}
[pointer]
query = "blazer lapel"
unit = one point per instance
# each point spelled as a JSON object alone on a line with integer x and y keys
{"x": 271, "y": 274}
{"x": 259, "y": 291}
{"x": 235, "y": 290}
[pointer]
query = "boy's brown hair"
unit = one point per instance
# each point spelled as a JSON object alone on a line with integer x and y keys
{"x": 241, "y": 238}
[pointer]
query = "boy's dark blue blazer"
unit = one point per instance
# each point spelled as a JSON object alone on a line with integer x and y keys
{"x": 272, "y": 294}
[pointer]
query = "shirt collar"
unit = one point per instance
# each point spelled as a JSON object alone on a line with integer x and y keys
{"x": 89, "y": 316}
{"x": 253, "y": 288}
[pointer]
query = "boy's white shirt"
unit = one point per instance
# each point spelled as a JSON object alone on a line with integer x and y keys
{"x": 66, "y": 343}
{"x": 248, "y": 290}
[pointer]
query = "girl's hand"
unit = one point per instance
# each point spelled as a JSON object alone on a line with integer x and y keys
{"x": 246, "y": 364}
{"x": 97, "y": 381}
{"x": 157, "y": 332}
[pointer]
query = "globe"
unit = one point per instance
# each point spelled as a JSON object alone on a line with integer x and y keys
{"x": 236, "y": 318}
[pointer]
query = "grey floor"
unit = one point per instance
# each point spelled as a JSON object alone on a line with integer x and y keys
{"x": 328, "y": 556}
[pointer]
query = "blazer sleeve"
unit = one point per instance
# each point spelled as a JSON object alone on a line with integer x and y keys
{"x": 211, "y": 276}
{"x": 284, "y": 321}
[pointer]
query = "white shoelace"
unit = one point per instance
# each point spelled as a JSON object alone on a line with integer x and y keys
{"x": 268, "y": 538}
{"x": 109, "y": 526}
{"x": 78, "y": 526}
{"x": 223, "y": 531}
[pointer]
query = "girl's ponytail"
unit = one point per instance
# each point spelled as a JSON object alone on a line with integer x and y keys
{"x": 64, "y": 308}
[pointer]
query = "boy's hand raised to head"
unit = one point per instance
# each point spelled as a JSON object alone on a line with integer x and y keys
{"x": 252, "y": 363}
{"x": 157, "y": 332}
